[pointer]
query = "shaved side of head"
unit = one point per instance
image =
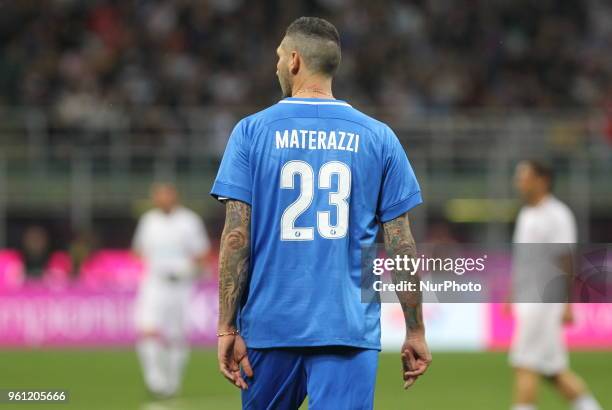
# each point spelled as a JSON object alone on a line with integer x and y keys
{"x": 318, "y": 43}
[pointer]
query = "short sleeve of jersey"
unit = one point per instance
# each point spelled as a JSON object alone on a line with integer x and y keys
{"x": 137, "y": 241}
{"x": 400, "y": 189}
{"x": 234, "y": 176}
{"x": 563, "y": 227}
{"x": 199, "y": 243}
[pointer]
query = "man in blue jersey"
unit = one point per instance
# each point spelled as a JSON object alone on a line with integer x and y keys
{"x": 306, "y": 184}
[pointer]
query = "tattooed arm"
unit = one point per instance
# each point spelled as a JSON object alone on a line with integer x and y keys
{"x": 233, "y": 262}
{"x": 415, "y": 353}
{"x": 399, "y": 242}
{"x": 233, "y": 276}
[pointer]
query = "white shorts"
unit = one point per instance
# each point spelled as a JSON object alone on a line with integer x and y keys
{"x": 162, "y": 306}
{"x": 538, "y": 342}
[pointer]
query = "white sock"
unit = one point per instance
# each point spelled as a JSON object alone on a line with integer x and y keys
{"x": 523, "y": 407}
{"x": 586, "y": 402}
{"x": 177, "y": 358}
{"x": 153, "y": 360}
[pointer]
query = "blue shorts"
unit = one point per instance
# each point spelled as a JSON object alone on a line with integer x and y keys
{"x": 333, "y": 377}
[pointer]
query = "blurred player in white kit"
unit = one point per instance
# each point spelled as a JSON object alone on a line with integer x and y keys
{"x": 173, "y": 244}
{"x": 538, "y": 348}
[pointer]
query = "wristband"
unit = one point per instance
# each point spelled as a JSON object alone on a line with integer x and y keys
{"x": 234, "y": 333}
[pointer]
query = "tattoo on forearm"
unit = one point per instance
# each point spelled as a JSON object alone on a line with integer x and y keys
{"x": 399, "y": 241}
{"x": 233, "y": 260}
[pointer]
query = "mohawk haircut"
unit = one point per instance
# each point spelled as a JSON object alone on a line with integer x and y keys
{"x": 318, "y": 42}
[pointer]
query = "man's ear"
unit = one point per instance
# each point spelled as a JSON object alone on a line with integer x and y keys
{"x": 294, "y": 65}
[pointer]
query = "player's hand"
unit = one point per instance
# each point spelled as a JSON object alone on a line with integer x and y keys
{"x": 415, "y": 358}
{"x": 568, "y": 315}
{"x": 232, "y": 355}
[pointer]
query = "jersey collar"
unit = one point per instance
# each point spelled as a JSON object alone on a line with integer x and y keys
{"x": 313, "y": 101}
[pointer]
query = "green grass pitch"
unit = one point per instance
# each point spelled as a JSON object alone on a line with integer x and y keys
{"x": 111, "y": 379}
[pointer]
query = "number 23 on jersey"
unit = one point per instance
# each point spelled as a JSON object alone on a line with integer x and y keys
{"x": 289, "y": 232}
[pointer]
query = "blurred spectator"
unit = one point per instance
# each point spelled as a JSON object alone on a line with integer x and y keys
{"x": 35, "y": 250}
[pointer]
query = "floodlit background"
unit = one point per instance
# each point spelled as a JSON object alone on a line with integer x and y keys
{"x": 98, "y": 99}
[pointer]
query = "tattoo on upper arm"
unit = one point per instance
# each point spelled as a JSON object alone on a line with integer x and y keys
{"x": 234, "y": 259}
{"x": 399, "y": 241}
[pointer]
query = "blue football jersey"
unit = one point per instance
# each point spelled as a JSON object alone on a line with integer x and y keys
{"x": 319, "y": 176}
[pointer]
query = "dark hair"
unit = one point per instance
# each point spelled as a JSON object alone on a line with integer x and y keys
{"x": 542, "y": 170}
{"x": 318, "y": 42}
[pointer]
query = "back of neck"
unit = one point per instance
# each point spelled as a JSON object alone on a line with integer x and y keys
{"x": 315, "y": 89}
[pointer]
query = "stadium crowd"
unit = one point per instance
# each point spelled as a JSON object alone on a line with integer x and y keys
{"x": 85, "y": 57}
